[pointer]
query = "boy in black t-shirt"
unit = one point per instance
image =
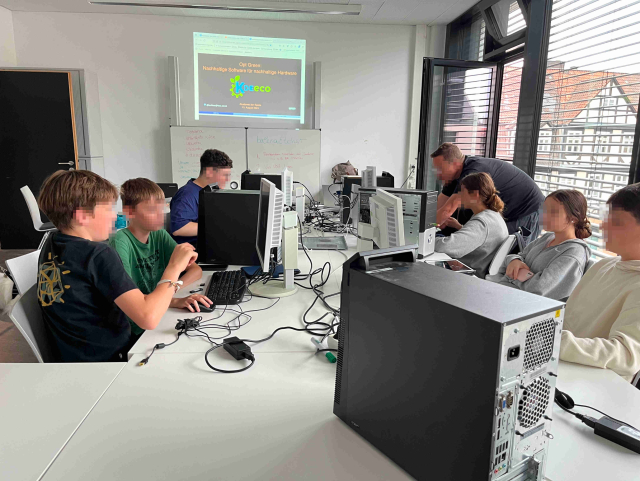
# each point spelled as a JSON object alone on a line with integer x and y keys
{"x": 83, "y": 289}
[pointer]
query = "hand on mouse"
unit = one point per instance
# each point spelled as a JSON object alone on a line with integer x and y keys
{"x": 191, "y": 302}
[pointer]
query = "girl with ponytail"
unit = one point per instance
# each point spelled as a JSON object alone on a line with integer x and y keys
{"x": 552, "y": 265}
{"x": 475, "y": 243}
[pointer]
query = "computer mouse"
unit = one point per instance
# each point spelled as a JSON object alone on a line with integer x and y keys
{"x": 204, "y": 308}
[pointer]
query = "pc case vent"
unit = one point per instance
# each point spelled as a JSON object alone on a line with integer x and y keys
{"x": 539, "y": 344}
{"x": 341, "y": 328}
{"x": 533, "y": 402}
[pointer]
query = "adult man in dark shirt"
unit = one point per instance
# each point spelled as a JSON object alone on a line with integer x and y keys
{"x": 215, "y": 167}
{"x": 522, "y": 197}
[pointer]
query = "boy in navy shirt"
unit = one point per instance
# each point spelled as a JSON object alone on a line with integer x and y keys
{"x": 215, "y": 167}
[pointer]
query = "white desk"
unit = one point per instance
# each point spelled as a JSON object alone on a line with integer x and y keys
{"x": 41, "y": 406}
{"x": 182, "y": 421}
{"x": 287, "y": 312}
{"x": 176, "y": 419}
{"x": 576, "y": 452}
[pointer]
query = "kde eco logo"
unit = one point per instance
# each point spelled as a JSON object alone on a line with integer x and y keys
{"x": 239, "y": 88}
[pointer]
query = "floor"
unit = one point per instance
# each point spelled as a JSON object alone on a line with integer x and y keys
{"x": 13, "y": 347}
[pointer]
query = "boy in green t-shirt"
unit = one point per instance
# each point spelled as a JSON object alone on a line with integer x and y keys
{"x": 145, "y": 247}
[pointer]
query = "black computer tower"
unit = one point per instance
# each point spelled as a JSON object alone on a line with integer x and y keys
{"x": 450, "y": 376}
{"x": 227, "y": 227}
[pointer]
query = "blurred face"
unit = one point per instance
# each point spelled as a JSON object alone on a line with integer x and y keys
{"x": 469, "y": 198}
{"x": 147, "y": 215}
{"x": 554, "y": 216}
{"x": 221, "y": 176}
{"x": 100, "y": 222}
{"x": 621, "y": 232}
{"x": 446, "y": 171}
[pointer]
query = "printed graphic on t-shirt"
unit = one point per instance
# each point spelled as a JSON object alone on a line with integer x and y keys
{"x": 50, "y": 285}
{"x": 147, "y": 264}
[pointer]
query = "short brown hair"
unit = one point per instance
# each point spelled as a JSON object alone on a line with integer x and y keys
{"x": 134, "y": 191}
{"x": 627, "y": 199}
{"x": 65, "y": 191}
{"x": 482, "y": 183}
{"x": 575, "y": 206}
{"x": 449, "y": 151}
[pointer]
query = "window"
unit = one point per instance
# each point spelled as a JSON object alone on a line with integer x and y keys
{"x": 508, "y": 115}
{"x": 508, "y": 17}
{"x": 590, "y": 99}
{"x": 544, "y": 142}
{"x": 574, "y": 140}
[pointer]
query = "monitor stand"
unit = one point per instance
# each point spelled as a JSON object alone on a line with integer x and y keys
{"x": 276, "y": 288}
{"x": 273, "y": 288}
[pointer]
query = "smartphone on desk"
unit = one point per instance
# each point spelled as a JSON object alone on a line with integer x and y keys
{"x": 453, "y": 265}
{"x": 524, "y": 275}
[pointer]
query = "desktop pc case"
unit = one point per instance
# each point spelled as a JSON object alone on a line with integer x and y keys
{"x": 419, "y": 209}
{"x": 348, "y": 181}
{"x": 227, "y": 227}
{"x": 450, "y": 376}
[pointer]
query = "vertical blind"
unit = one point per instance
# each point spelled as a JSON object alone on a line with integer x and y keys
{"x": 590, "y": 103}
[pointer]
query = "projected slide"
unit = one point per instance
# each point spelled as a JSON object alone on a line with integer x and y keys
{"x": 238, "y": 76}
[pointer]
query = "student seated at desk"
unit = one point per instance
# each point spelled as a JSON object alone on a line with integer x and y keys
{"x": 553, "y": 264}
{"x": 215, "y": 167}
{"x": 84, "y": 291}
{"x": 145, "y": 247}
{"x": 475, "y": 243}
{"x": 602, "y": 317}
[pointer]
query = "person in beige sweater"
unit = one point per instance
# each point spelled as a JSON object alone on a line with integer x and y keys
{"x": 602, "y": 317}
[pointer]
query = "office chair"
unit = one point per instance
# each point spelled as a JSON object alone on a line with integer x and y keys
{"x": 34, "y": 210}
{"x": 24, "y": 271}
{"x": 27, "y": 317}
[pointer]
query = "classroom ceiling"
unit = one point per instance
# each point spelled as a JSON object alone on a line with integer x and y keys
{"x": 387, "y": 12}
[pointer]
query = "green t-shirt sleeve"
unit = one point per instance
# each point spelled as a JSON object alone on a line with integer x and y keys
{"x": 168, "y": 244}
{"x": 123, "y": 248}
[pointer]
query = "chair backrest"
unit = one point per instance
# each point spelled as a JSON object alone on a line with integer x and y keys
{"x": 27, "y": 317}
{"x": 24, "y": 270}
{"x": 501, "y": 254}
{"x": 32, "y": 204}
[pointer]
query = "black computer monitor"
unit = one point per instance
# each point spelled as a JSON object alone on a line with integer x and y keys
{"x": 348, "y": 181}
{"x": 227, "y": 227}
{"x": 250, "y": 181}
{"x": 169, "y": 190}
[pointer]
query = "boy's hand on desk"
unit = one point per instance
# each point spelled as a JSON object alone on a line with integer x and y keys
{"x": 514, "y": 267}
{"x": 191, "y": 302}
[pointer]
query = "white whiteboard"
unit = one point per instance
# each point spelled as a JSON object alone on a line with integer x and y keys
{"x": 271, "y": 150}
{"x": 188, "y": 144}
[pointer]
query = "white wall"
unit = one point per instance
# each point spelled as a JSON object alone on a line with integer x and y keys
{"x": 366, "y": 81}
{"x": 7, "y": 44}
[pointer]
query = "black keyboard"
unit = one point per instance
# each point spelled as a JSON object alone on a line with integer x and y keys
{"x": 227, "y": 287}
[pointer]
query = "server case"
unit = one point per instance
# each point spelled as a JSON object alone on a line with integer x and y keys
{"x": 450, "y": 376}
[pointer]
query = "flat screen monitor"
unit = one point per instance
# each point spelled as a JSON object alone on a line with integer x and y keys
{"x": 250, "y": 181}
{"x": 270, "y": 210}
{"x": 227, "y": 225}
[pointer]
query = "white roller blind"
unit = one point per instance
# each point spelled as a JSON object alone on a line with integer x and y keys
{"x": 590, "y": 101}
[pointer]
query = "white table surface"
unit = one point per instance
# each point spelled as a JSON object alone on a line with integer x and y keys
{"x": 287, "y": 312}
{"x": 176, "y": 419}
{"x": 576, "y": 452}
{"x": 41, "y": 406}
